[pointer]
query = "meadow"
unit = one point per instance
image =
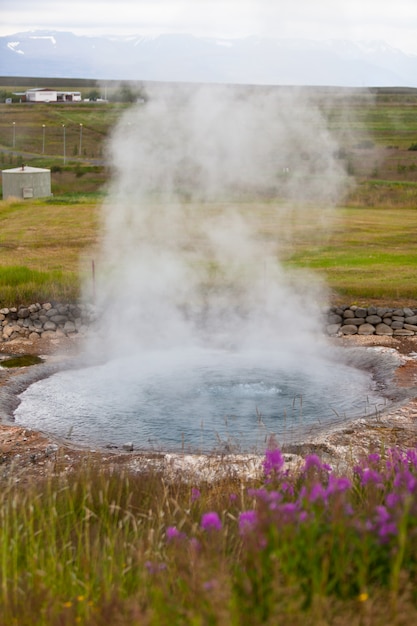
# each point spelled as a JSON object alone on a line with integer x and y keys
{"x": 313, "y": 546}
{"x": 369, "y": 237}
{"x": 319, "y": 545}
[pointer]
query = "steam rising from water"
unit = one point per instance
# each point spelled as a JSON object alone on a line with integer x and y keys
{"x": 181, "y": 261}
{"x": 198, "y": 321}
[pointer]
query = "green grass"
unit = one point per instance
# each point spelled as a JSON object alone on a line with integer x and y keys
{"x": 312, "y": 547}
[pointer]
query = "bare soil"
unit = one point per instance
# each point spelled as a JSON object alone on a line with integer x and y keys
{"x": 26, "y": 454}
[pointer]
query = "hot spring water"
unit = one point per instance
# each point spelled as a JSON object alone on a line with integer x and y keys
{"x": 199, "y": 400}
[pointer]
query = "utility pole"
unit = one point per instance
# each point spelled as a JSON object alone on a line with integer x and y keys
{"x": 65, "y": 147}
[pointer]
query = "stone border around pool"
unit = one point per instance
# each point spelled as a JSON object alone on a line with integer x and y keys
{"x": 55, "y": 320}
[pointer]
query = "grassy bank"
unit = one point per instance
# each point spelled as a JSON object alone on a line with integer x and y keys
{"x": 313, "y": 547}
{"x": 365, "y": 255}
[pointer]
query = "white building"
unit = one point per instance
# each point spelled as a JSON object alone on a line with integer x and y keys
{"x": 41, "y": 94}
{"x": 26, "y": 182}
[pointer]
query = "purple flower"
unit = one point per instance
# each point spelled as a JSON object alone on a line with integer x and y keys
{"x": 273, "y": 462}
{"x": 318, "y": 492}
{"x": 233, "y": 497}
{"x": 154, "y": 568}
{"x": 338, "y": 484}
{"x": 173, "y": 533}
{"x": 211, "y": 521}
{"x": 368, "y": 475}
{"x": 195, "y": 494}
{"x": 247, "y": 520}
{"x": 312, "y": 460}
{"x": 392, "y": 500}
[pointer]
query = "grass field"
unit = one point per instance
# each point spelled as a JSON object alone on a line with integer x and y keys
{"x": 366, "y": 255}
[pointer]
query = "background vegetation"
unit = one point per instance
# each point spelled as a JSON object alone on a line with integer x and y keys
{"x": 366, "y": 254}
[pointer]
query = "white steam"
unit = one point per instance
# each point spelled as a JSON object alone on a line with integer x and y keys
{"x": 182, "y": 262}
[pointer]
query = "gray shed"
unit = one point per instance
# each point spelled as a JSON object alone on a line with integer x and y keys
{"x": 26, "y": 182}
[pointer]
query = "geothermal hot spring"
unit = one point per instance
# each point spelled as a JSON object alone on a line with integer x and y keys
{"x": 202, "y": 339}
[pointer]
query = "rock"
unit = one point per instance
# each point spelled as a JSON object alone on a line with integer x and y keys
{"x": 49, "y": 325}
{"x": 48, "y": 334}
{"x": 128, "y": 446}
{"x": 411, "y": 319}
{"x": 366, "y": 329}
{"x": 334, "y": 319}
{"x": 58, "y": 319}
{"x": 349, "y": 329}
{"x": 356, "y": 321}
{"x": 412, "y": 327}
{"x": 396, "y": 325}
{"x": 373, "y": 319}
{"x": 69, "y": 327}
{"x": 383, "y": 329}
{"x": 333, "y": 329}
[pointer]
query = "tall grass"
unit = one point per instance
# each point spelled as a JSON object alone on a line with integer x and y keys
{"x": 20, "y": 284}
{"x": 309, "y": 547}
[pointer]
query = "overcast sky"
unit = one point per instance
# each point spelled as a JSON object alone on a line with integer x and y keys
{"x": 393, "y": 21}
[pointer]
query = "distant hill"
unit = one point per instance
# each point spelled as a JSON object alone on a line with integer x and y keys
{"x": 184, "y": 58}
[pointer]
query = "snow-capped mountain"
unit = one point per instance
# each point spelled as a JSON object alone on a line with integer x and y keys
{"x": 185, "y": 58}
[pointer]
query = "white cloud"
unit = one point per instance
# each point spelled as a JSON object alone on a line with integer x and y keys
{"x": 396, "y": 23}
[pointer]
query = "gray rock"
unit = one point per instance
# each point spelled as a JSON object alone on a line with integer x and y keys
{"x": 23, "y": 312}
{"x": 408, "y": 312}
{"x": 397, "y": 325}
{"x": 402, "y": 332}
{"x": 373, "y": 319}
{"x": 333, "y": 329}
{"x": 383, "y": 329}
{"x": 349, "y": 329}
{"x": 49, "y": 325}
{"x": 48, "y": 334}
{"x": 412, "y": 327}
{"x": 366, "y": 329}
{"x": 69, "y": 327}
{"x": 334, "y": 319}
{"x": 348, "y": 314}
{"x": 412, "y": 319}
{"x": 58, "y": 319}
{"x": 356, "y": 321}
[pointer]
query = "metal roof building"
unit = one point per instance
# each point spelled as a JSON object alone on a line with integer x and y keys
{"x": 26, "y": 182}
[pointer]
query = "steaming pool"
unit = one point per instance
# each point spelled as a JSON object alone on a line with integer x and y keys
{"x": 201, "y": 400}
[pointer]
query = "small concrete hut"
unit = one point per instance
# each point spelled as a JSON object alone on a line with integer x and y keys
{"x": 26, "y": 182}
